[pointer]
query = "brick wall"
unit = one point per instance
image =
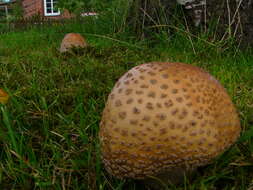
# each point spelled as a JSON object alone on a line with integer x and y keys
{"x": 32, "y": 7}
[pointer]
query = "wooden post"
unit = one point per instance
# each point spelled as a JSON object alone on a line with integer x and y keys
{"x": 6, "y": 10}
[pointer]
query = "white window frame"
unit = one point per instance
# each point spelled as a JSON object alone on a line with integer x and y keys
{"x": 52, "y": 13}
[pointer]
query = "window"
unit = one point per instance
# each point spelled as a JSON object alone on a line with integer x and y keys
{"x": 50, "y": 8}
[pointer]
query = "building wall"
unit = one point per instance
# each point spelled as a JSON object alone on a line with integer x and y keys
{"x": 36, "y": 7}
{"x": 32, "y": 7}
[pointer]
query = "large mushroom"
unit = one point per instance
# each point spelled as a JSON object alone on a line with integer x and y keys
{"x": 72, "y": 40}
{"x": 165, "y": 118}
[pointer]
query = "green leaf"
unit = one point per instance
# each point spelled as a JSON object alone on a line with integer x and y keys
{"x": 247, "y": 135}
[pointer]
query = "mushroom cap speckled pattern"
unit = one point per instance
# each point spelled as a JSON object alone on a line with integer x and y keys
{"x": 71, "y": 40}
{"x": 164, "y": 115}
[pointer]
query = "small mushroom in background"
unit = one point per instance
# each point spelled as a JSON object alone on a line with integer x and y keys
{"x": 72, "y": 40}
{"x": 4, "y": 97}
{"x": 165, "y": 120}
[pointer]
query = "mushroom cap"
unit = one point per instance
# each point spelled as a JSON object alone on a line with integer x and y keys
{"x": 71, "y": 40}
{"x": 4, "y": 97}
{"x": 161, "y": 116}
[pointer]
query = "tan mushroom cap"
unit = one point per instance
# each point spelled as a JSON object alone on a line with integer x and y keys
{"x": 71, "y": 40}
{"x": 4, "y": 97}
{"x": 165, "y": 115}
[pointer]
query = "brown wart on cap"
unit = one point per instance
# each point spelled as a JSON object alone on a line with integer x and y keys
{"x": 72, "y": 40}
{"x": 179, "y": 118}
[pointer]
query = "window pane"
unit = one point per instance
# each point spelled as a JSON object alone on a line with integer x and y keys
{"x": 55, "y": 10}
{"x": 49, "y": 10}
{"x": 54, "y": 2}
{"x": 49, "y": 5}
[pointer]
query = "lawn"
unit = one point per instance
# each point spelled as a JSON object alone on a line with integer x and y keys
{"x": 49, "y": 128}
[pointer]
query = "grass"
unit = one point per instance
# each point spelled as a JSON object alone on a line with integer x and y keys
{"x": 49, "y": 128}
